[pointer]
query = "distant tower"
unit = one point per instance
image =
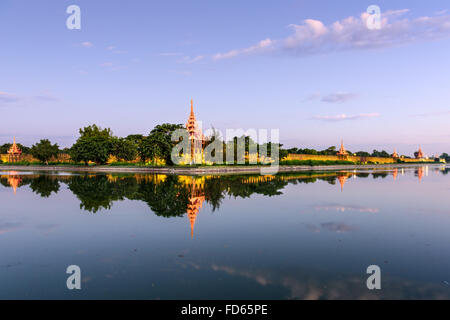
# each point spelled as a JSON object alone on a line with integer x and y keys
{"x": 395, "y": 154}
{"x": 342, "y": 153}
{"x": 419, "y": 154}
{"x": 196, "y": 138}
{"x": 14, "y": 152}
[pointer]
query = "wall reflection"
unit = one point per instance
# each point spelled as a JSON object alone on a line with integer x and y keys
{"x": 176, "y": 196}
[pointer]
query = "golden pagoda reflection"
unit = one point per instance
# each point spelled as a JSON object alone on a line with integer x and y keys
{"x": 196, "y": 199}
{"x": 14, "y": 180}
{"x": 342, "y": 179}
{"x": 420, "y": 173}
{"x": 395, "y": 173}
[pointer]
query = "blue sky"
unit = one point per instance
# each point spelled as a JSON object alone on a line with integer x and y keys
{"x": 308, "y": 68}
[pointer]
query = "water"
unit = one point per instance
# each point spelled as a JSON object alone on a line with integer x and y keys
{"x": 292, "y": 236}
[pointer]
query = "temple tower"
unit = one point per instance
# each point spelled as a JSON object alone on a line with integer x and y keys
{"x": 196, "y": 138}
{"x": 395, "y": 155}
{"x": 342, "y": 153}
{"x": 419, "y": 154}
{"x": 14, "y": 152}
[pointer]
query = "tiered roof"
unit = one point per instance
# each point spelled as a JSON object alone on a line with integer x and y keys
{"x": 192, "y": 127}
{"x": 420, "y": 153}
{"x": 14, "y": 149}
{"x": 342, "y": 151}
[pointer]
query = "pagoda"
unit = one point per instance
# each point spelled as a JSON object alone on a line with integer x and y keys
{"x": 196, "y": 137}
{"x": 14, "y": 152}
{"x": 395, "y": 155}
{"x": 419, "y": 154}
{"x": 342, "y": 154}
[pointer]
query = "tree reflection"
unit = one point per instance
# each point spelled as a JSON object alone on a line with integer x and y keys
{"x": 44, "y": 185}
{"x": 172, "y": 195}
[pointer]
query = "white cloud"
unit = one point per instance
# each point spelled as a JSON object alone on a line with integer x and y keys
{"x": 107, "y": 64}
{"x": 8, "y": 97}
{"x": 338, "y": 97}
{"x": 169, "y": 54}
{"x": 114, "y": 49}
{"x": 314, "y": 37}
{"x": 190, "y": 60}
{"x": 262, "y": 46}
{"x": 343, "y": 117}
{"x": 87, "y": 44}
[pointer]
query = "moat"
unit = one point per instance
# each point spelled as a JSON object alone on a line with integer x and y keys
{"x": 302, "y": 235}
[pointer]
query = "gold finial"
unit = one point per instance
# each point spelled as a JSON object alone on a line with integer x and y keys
{"x": 192, "y": 106}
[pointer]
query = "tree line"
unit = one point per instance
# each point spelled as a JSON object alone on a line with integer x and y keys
{"x": 97, "y": 145}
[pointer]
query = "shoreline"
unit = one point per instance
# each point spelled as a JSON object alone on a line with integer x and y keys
{"x": 209, "y": 170}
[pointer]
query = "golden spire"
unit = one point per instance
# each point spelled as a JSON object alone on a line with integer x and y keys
{"x": 192, "y": 106}
{"x": 342, "y": 150}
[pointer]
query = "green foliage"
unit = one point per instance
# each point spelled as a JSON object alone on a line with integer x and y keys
{"x": 44, "y": 186}
{"x": 94, "y": 144}
{"x": 381, "y": 154}
{"x": 96, "y": 149}
{"x": 135, "y": 138}
{"x": 123, "y": 148}
{"x": 95, "y": 131}
{"x": 445, "y": 156}
{"x": 363, "y": 154}
{"x": 44, "y": 150}
{"x": 158, "y": 144}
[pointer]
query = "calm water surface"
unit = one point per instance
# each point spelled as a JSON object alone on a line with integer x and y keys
{"x": 292, "y": 236}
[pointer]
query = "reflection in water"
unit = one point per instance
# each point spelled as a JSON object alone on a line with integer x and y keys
{"x": 307, "y": 235}
{"x": 173, "y": 196}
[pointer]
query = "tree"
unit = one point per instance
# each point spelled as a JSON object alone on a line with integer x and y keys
{"x": 159, "y": 143}
{"x": 123, "y": 148}
{"x": 44, "y": 150}
{"x": 445, "y": 156}
{"x": 94, "y": 144}
{"x": 44, "y": 185}
{"x": 363, "y": 154}
{"x": 331, "y": 151}
{"x": 96, "y": 149}
{"x": 95, "y": 131}
{"x": 135, "y": 138}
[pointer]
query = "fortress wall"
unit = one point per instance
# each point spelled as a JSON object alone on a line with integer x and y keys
{"x": 30, "y": 158}
{"x": 335, "y": 158}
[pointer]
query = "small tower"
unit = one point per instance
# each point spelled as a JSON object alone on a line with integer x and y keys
{"x": 342, "y": 153}
{"x": 14, "y": 152}
{"x": 196, "y": 138}
{"x": 395, "y": 154}
{"x": 419, "y": 154}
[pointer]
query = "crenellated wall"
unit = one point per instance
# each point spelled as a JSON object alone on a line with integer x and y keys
{"x": 347, "y": 158}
